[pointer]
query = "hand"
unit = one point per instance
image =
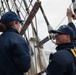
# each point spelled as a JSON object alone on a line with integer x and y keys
{"x": 69, "y": 12}
{"x": 69, "y": 15}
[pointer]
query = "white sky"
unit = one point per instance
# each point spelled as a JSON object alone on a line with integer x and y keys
{"x": 55, "y": 11}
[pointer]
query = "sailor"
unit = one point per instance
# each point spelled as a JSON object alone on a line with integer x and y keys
{"x": 63, "y": 61}
{"x": 14, "y": 51}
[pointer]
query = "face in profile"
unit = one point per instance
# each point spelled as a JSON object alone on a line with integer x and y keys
{"x": 62, "y": 38}
{"x": 16, "y": 25}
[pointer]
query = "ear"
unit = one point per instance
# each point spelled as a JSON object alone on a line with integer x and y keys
{"x": 13, "y": 24}
{"x": 68, "y": 38}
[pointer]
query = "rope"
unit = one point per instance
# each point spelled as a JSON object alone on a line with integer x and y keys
{"x": 62, "y": 19}
{"x": 60, "y": 22}
{"x": 34, "y": 31}
{"x": 8, "y": 5}
{"x": 21, "y": 6}
{"x": 12, "y": 5}
{"x": 2, "y": 5}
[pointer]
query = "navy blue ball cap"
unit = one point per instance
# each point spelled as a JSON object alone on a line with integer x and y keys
{"x": 65, "y": 29}
{"x": 10, "y": 17}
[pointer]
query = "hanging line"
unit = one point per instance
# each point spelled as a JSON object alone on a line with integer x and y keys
{"x": 62, "y": 19}
{"x": 8, "y": 5}
{"x": 2, "y": 5}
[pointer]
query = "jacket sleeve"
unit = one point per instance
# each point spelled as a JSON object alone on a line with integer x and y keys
{"x": 57, "y": 66}
{"x": 71, "y": 24}
{"x": 21, "y": 55}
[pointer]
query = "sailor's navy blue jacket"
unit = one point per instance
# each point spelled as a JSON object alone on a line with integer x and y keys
{"x": 14, "y": 53}
{"x": 71, "y": 24}
{"x": 62, "y": 62}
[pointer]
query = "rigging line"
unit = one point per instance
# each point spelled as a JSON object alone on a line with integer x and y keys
{"x": 21, "y": 5}
{"x": 5, "y": 4}
{"x": 47, "y": 22}
{"x": 35, "y": 52}
{"x": 35, "y": 34}
{"x": 16, "y": 8}
{"x": 62, "y": 19}
{"x": 30, "y": 3}
{"x": 8, "y": 5}
{"x": 38, "y": 44}
{"x": 12, "y": 4}
{"x": 60, "y": 22}
{"x": 27, "y": 9}
{"x": 22, "y": 8}
{"x": 22, "y": 15}
{"x": 31, "y": 22}
{"x": 31, "y": 51}
{"x": 2, "y": 5}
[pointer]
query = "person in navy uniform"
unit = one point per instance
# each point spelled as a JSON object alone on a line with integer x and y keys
{"x": 14, "y": 52}
{"x": 63, "y": 60}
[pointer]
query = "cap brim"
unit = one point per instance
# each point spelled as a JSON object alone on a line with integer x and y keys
{"x": 56, "y": 31}
{"x": 21, "y": 21}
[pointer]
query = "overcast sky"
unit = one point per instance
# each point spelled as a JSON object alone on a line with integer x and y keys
{"x": 55, "y": 11}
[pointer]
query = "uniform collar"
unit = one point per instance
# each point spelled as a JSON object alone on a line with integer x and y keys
{"x": 10, "y": 29}
{"x": 64, "y": 46}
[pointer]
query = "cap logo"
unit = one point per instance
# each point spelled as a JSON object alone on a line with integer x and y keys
{"x": 61, "y": 27}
